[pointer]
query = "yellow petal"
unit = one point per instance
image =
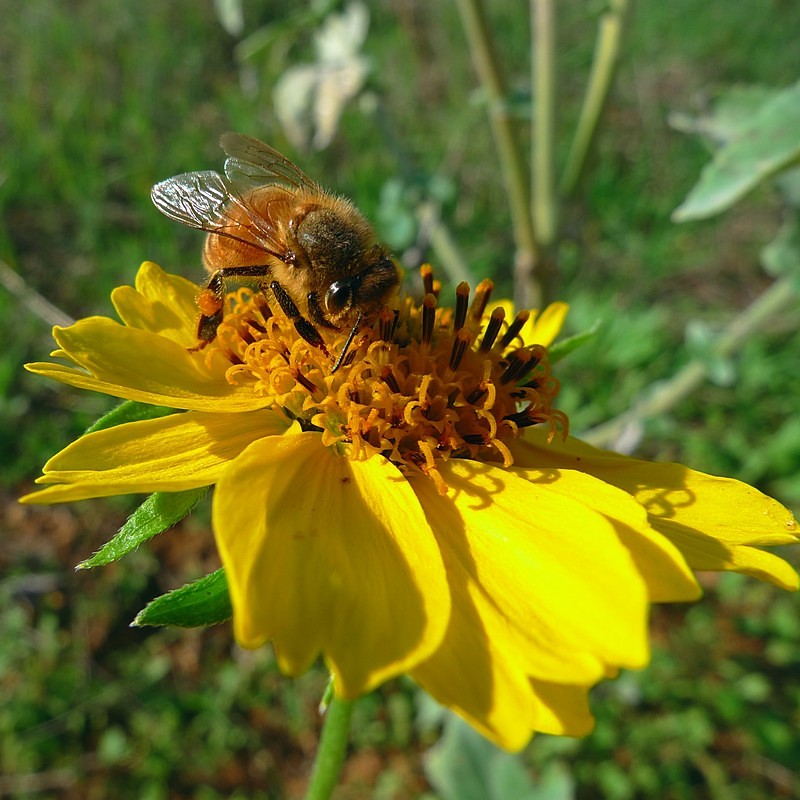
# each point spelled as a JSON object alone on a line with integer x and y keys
{"x": 138, "y": 365}
{"x": 543, "y": 328}
{"x": 540, "y": 328}
{"x": 714, "y": 522}
{"x": 329, "y": 555}
{"x": 181, "y": 451}
{"x": 541, "y": 586}
{"x": 161, "y": 303}
{"x": 658, "y": 561}
{"x": 562, "y": 710}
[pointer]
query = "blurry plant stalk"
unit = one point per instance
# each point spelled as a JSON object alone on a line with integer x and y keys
{"x": 535, "y": 203}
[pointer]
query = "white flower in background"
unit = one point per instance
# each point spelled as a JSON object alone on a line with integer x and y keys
{"x": 310, "y": 98}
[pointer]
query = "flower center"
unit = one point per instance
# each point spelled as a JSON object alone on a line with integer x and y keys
{"x": 423, "y": 383}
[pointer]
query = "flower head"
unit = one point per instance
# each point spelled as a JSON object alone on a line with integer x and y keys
{"x": 421, "y": 509}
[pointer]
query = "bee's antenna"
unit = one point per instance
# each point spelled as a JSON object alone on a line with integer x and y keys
{"x": 351, "y": 336}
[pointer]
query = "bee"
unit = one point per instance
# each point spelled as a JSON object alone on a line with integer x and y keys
{"x": 266, "y": 220}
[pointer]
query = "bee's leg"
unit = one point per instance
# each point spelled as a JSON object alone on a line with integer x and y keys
{"x": 301, "y": 324}
{"x": 211, "y": 300}
{"x": 352, "y": 335}
{"x": 316, "y": 313}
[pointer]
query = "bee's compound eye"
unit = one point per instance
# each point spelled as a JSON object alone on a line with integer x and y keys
{"x": 338, "y": 296}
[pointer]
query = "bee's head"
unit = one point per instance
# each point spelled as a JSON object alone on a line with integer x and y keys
{"x": 365, "y": 290}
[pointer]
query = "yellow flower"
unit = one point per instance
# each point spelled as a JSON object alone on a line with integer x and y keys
{"x": 420, "y": 510}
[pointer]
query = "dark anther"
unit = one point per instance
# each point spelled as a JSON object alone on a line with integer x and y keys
{"x": 460, "y": 345}
{"x": 426, "y": 272}
{"x": 514, "y": 328}
{"x": 304, "y": 381}
{"x": 263, "y": 306}
{"x": 524, "y": 418}
{"x": 462, "y": 306}
{"x": 388, "y": 378}
{"x": 428, "y": 317}
{"x": 517, "y": 362}
{"x": 386, "y": 322}
{"x": 482, "y": 295}
{"x": 475, "y": 438}
{"x": 476, "y": 394}
{"x": 492, "y": 329}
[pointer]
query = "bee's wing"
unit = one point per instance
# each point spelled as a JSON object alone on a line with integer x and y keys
{"x": 251, "y": 164}
{"x": 204, "y": 200}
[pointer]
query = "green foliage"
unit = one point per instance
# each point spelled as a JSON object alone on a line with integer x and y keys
{"x": 101, "y": 100}
{"x": 155, "y": 515}
{"x": 758, "y": 141}
{"x": 129, "y": 411}
{"x": 203, "y": 602}
{"x": 465, "y": 766}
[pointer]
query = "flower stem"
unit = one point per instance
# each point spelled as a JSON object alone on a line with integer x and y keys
{"x": 543, "y": 164}
{"x": 604, "y": 65}
{"x": 667, "y": 394}
{"x": 332, "y": 748}
{"x": 512, "y": 165}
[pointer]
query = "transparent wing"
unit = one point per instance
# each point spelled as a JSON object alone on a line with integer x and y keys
{"x": 251, "y": 164}
{"x": 207, "y": 201}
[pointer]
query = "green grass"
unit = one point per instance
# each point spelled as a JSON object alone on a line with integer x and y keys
{"x": 100, "y": 101}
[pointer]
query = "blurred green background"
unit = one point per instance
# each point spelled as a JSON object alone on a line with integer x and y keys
{"x": 99, "y": 100}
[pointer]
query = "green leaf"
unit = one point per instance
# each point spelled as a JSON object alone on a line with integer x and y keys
{"x": 768, "y": 144}
{"x": 200, "y": 603}
{"x": 781, "y": 257}
{"x": 701, "y": 344}
{"x": 465, "y": 766}
{"x": 129, "y": 411}
{"x": 159, "y": 512}
{"x": 564, "y": 347}
{"x": 732, "y": 112}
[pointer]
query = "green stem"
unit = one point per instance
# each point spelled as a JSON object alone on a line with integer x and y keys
{"x": 666, "y": 395}
{"x": 332, "y": 749}
{"x": 545, "y": 200}
{"x": 512, "y": 165}
{"x": 604, "y": 65}
{"x": 543, "y": 79}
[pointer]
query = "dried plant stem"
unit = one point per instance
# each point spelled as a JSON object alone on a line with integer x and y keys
{"x": 512, "y": 165}
{"x": 604, "y": 64}
{"x": 665, "y": 395}
{"x": 37, "y": 304}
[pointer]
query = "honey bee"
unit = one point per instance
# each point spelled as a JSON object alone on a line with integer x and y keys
{"x": 267, "y": 220}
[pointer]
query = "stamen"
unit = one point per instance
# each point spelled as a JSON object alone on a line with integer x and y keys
{"x": 517, "y": 362}
{"x": 256, "y": 325}
{"x": 460, "y": 344}
{"x": 492, "y": 329}
{"x": 428, "y": 317}
{"x": 389, "y": 379}
{"x": 476, "y": 394}
{"x": 231, "y": 356}
{"x": 426, "y": 272}
{"x": 263, "y": 306}
{"x": 514, "y": 328}
{"x": 304, "y": 381}
{"x": 437, "y": 289}
{"x": 386, "y": 322}
{"x": 418, "y": 385}
{"x": 482, "y": 295}
{"x": 462, "y": 306}
{"x": 245, "y": 335}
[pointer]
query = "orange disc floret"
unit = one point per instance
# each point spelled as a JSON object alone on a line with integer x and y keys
{"x": 421, "y": 384}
